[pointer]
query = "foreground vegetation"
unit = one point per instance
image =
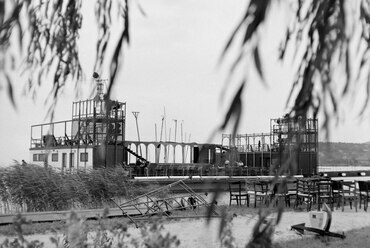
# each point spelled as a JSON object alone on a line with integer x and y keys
{"x": 103, "y": 232}
{"x": 76, "y": 234}
{"x": 35, "y": 188}
{"x": 354, "y": 238}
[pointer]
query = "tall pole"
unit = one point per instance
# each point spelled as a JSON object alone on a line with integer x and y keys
{"x": 175, "y": 128}
{"x": 182, "y": 137}
{"x": 155, "y": 130}
{"x": 136, "y": 114}
{"x": 174, "y": 148}
{"x": 160, "y": 140}
{"x": 165, "y": 125}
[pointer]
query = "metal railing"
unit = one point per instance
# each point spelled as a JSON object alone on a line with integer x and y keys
{"x": 169, "y": 170}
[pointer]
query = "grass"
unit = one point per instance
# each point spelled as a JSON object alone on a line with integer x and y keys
{"x": 76, "y": 232}
{"x": 57, "y": 226}
{"x": 35, "y": 188}
{"x": 354, "y": 238}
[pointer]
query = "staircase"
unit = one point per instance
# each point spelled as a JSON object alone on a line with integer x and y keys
{"x": 136, "y": 155}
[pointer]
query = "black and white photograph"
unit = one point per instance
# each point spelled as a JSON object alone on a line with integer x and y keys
{"x": 162, "y": 123}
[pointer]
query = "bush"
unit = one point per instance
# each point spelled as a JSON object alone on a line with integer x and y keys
{"x": 76, "y": 234}
{"x": 37, "y": 188}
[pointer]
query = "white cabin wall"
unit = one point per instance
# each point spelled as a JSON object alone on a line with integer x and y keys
{"x": 58, "y": 164}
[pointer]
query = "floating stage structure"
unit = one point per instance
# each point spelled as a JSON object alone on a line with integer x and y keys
{"x": 290, "y": 139}
{"x": 95, "y": 137}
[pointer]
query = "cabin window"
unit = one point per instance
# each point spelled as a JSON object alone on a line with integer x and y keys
{"x": 42, "y": 157}
{"x": 54, "y": 157}
{"x": 35, "y": 157}
{"x": 83, "y": 156}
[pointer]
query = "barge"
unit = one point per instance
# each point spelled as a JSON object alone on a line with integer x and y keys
{"x": 95, "y": 137}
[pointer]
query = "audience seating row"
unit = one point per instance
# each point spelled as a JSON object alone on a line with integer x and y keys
{"x": 304, "y": 191}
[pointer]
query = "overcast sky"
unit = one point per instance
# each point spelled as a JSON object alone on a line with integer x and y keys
{"x": 172, "y": 63}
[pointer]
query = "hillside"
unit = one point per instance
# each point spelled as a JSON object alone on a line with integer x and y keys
{"x": 344, "y": 153}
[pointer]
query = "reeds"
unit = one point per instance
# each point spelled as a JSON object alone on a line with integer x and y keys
{"x": 36, "y": 188}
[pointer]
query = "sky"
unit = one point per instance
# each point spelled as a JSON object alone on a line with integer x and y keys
{"x": 173, "y": 65}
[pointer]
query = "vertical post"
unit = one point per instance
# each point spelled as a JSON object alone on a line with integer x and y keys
{"x": 183, "y": 153}
{"x": 174, "y": 148}
{"x": 136, "y": 114}
{"x": 168, "y": 146}
{"x": 31, "y": 137}
{"x": 182, "y": 139}
{"x": 107, "y": 110}
{"x": 175, "y": 129}
{"x": 157, "y": 149}
{"x": 116, "y": 128}
{"x": 42, "y": 140}
{"x": 155, "y": 130}
{"x": 262, "y": 147}
{"x": 160, "y": 140}
{"x": 254, "y": 150}
{"x": 79, "y": 136}
{"x": 146, "y": 152}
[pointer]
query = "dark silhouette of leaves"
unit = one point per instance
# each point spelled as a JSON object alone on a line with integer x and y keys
{"x": 257, "y": 61}
{"x": 235, "y": 110}
{"x": 10, "y": 90}
{"x": 124, "y": 38}
{"x": 103, "y": 17}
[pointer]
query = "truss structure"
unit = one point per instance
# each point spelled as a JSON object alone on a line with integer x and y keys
{"x": 164, "y": 201}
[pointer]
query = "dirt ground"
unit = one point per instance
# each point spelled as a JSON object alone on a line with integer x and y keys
{"x": 197, "y": 233}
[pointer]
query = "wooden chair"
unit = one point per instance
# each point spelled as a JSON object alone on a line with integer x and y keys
{"x": 343, "y": 191}
{"x": 261, "y": 192}
{"x": 305, "y": 193}
{"x": 280, "y": 192}
{"x": 364, "y": 193}
{"x": 336, "y": 188}
{"x": 324, "y": 193}
{"x": 237, "y": 193}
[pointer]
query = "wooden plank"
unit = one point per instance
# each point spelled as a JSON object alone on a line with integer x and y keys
{"x": 59, "y": 215}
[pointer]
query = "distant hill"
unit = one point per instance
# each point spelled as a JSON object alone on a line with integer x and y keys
{"x": 337, "y": 153}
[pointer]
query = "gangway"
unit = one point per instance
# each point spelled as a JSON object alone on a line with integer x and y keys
{"x": 136, "y": 155}
{"x": 164, "y": 201}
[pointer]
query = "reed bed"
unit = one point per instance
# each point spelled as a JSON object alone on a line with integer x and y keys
{"x": 35, "y": 188}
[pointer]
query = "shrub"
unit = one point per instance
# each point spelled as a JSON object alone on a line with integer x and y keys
{"x": 76, "y": 235}
{"x": 46, "y": 189}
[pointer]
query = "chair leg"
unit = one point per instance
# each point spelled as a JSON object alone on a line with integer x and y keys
{"x": 338, "y": 202}
{"x": 296, "y": 202}
{"x": 309, "y": 204}
{"x": 360, "y": 202}
{"x": 343, "y": 202}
